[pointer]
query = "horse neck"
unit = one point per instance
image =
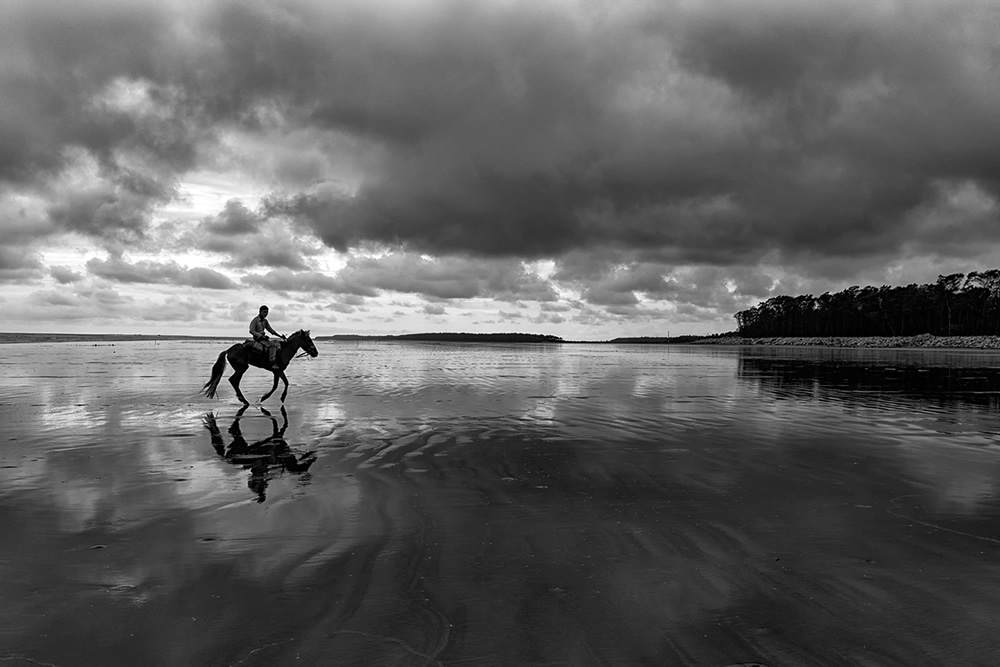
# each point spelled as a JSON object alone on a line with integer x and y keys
{"x": 290, "y": 347}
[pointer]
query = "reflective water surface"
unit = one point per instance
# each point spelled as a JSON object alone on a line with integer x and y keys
{"x": 425, "y": 504}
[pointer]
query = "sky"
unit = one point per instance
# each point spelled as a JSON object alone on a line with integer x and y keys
{"x": 584, "y": 169}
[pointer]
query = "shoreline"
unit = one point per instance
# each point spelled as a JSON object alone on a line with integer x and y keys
{"x": 923, "y": 341}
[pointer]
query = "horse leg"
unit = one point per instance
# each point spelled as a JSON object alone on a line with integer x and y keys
{"x": 234, "y": 380}
{"x": 273, "y": 387}
{"x": 285, "y": 392}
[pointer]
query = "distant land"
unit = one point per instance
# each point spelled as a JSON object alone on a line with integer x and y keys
{"x": 662, "y": 340}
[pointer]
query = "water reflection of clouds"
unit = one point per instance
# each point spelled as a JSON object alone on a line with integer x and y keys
{"x": 74, "y": 488}
{"x": 329, "y": 411}
{"x": 71, "y": 417}
{"x": 157, "y": 419}
{"x": 542, "y": 409}
{"x": 904, "y": 391}
{"x": 963, "y": 481}
{"x": 937, "y": 422}
{"x": 290, "y": 539}
{"x": 650, "y": 385}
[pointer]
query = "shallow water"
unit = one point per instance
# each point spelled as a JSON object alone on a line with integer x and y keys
{"x": 423, "y": 504}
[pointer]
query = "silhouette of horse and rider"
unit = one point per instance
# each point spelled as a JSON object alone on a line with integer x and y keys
{"x": 262, "y": 352}
{"x": 264, "y": 458}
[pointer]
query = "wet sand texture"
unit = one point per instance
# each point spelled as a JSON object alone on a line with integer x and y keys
{"x": 501, "y": 505}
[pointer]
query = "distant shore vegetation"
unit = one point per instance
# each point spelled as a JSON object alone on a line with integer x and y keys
{"x": 657, "y": 340}
{"x": 954, "y": 305}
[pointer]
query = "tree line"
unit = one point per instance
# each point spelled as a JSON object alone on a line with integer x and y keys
{"x": 954, "y": 305}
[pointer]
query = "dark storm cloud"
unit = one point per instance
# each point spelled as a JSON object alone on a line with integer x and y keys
{"x": 441, "y": 278}
{"x": 258, "y": 250}
{"x": 433, "y": 309}
{"x": 92, "y": 121}
{"x": 65, "y": 275}
{"x": 341, "y": 307}
{"x": 83, "y": 303}
{"x": 168, "y": 273}
{"x": 17, "y": 265}
{"x": 548, "y": 318}
{"x": 448, "y": 277}
{"x": 249, "y": 240}
{"x": 284, "y": 280}
{"x": 105, "y": 210}
{"x": 715, "y": 130}
{"x": 19, "y": 225}
{"x": 276, "y": 252}
{"x": 200, "y": 276}
{"x": 634, "y": 288}
{"x": 235, "y": 219}
{"x": 56, "y": 56}
{"x": 712, "y": 133}
{"x": 606, "y": 297}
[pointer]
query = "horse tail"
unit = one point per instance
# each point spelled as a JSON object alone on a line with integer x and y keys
{"x": 213, "y": 384}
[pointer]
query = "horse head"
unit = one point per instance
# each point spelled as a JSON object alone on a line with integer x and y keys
{"x": 305, "y": 342}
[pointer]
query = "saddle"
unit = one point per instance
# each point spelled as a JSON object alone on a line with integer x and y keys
{"x": 251, "y": 344}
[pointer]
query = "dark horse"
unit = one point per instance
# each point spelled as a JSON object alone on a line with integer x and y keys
{"x": 241, "y": 357}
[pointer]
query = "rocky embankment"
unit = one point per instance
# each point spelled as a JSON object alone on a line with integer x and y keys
{"x": 922, "y": 341}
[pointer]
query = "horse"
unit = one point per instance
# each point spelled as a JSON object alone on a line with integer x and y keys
{"x": 242, "y": 358}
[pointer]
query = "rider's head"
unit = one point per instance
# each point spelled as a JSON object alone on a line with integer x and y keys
{"x": 263, "y": 310}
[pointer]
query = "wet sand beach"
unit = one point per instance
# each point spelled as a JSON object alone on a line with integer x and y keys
{"x": 462, "y": 504}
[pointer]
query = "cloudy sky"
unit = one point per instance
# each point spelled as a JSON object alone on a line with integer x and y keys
{"x": 583, "y": 169}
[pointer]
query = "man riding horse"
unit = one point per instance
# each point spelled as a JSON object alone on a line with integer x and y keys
{"x": 258, "y": 328}
{"x": 241, "y": 357}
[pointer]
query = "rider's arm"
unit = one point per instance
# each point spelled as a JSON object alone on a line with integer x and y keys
{"x": 268, "y": 325}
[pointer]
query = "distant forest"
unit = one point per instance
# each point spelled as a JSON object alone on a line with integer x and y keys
{"x": 955, "y": 305}
{"x": 658, "y": 340}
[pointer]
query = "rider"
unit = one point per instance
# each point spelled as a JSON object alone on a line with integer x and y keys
{"x": 258, "y": 326}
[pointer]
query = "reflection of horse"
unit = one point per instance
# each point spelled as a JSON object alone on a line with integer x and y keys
{"x": 241, "y": 356}
{"x": 262, "y": 457}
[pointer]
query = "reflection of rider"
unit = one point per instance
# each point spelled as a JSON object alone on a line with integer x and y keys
{"x": 258, "y": 326}
{"x": 259, "y": 456}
